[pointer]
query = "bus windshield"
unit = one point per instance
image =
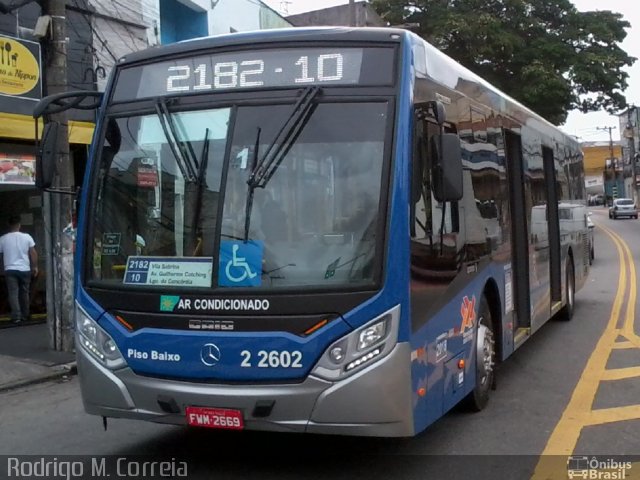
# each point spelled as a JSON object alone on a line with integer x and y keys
{"x": 175, "y": 207}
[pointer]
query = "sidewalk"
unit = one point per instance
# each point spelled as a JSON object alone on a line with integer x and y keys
{"x": 25, "y": 357}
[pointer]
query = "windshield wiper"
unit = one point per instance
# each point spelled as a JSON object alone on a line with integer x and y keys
{"x": 249, "y": 202}
{"x": 201, "y": 183}
{"x": 262, "y": 170}
{"x": 185, "y": 158}
{"x": 270, "y": 161}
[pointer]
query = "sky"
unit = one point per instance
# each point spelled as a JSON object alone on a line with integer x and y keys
{"x": 586, "y": 127}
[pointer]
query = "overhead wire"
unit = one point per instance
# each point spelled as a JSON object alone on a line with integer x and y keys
{"x": 84, "y": 63}
{"x": 123, "y": 24}
{"x": 102, "y": 41}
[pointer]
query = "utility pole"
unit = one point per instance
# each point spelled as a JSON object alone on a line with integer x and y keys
{"x": 609, "y": 129}
{"x": 629, "y": 133}
{"x": 59, "y": 208}
{"x": 612, "y": 163}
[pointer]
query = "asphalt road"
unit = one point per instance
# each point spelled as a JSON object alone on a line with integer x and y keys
{"x": 538, "y": 407}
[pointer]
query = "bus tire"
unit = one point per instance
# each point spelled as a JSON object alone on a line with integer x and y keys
{"x": 566, "y": 313}
{"x": 485, "y": 359}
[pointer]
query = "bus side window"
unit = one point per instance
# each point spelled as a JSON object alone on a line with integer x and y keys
{"x": 420, "y": 185}
{"x": 434, "y": 243}
{"x": 426, "y": 212}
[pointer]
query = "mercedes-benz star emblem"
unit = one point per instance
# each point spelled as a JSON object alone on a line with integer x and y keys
{"x": 210, "y": 354}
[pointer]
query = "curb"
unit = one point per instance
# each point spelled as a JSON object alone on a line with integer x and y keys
{"x": 9, "y": 324}
{"x": 61, "y": 371}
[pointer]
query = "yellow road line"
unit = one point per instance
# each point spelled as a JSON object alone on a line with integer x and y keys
{"x": 565, "y": 436}
{"x": 625, "y": 345}
{"x": 628, "y": 329}
{"x": 621, "y": 373}
{"x": 578, "y": 412}
{"x": 610, "y": 415}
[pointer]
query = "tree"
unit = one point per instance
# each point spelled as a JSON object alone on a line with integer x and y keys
{"x": 544, "y": 53}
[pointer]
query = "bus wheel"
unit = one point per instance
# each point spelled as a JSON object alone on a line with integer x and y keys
{"x": 566, "y": 313}
{"x": 485, "y": 359}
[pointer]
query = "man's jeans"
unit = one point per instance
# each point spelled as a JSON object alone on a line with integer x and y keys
{"x": 18, "y": 288}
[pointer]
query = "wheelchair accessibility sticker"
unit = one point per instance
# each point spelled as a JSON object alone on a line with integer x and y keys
{"x": 241, "y": 264}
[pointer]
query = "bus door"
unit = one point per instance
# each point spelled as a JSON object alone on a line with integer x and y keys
{"x": 519, "y": 234}
{"x": 544, "y": 235}
{"x": 553, "y": 222}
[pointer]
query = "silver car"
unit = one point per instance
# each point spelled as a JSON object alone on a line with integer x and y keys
{"x": 623, "y": 207}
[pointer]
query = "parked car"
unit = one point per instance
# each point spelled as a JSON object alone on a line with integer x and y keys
{"x": 623, "y": 207}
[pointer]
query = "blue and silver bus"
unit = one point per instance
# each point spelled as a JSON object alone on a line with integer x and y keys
{"x": 331, "y": 230}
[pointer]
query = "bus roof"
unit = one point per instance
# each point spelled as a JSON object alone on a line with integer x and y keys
{"x": 447, "y": 72}
{"x": 307, "y": 34}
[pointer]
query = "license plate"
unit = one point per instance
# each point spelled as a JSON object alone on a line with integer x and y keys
{"x": 215, "y": 418}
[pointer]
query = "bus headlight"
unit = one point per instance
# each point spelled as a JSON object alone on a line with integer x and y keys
{"x": 360, "y": 348}
{"x": 338, "y": 351}
{"x": 97, "y": 342}
{"x": 372, "y": 334}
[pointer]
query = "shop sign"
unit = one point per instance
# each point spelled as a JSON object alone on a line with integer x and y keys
{"x": 20, "y": 68}
{"x": 17, "y": 169}
{"x": 147, "y": 177}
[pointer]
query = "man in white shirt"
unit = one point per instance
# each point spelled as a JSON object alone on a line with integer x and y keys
{"x": 20, "y": 263}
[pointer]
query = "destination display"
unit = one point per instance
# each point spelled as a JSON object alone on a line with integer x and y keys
{"x": 284, "y": 67}
{"x": 169, "y": 271}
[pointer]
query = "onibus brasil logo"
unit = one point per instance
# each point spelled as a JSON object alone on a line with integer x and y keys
{"x": 595, "y": 468}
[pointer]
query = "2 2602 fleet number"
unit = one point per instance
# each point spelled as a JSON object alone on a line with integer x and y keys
{"x": 273, "y": 359}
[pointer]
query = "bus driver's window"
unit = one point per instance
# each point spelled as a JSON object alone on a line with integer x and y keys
{"x": 434, "y": 250}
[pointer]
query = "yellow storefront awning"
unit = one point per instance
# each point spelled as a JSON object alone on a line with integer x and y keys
{"x": 23, "y": 128}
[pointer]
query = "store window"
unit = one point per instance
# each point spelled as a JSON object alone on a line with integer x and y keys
{"x": 19, "y": 196}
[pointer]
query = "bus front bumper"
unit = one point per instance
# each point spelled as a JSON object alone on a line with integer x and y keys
{"x": 374, "y": 402}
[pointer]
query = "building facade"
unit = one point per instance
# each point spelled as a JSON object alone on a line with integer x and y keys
{"x": 99, "y": 33}
{"x": 23, "y": 61}
{"x": 606, "y": 172}
{"x": 363, "y": 16}
{"x": 629, "y": 122}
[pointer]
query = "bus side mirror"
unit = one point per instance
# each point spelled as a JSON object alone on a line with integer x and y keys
{"x": 446, "y": 167}
{"x": 46, "y": 156}
{"x": 439, "y": 112}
